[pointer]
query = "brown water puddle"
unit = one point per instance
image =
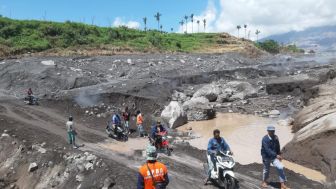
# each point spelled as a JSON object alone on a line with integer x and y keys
{"x": 244, "y": 134}
{"x": 125, "y": 147}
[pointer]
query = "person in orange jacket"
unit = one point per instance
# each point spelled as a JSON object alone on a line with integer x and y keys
{"x": 153, "y": 174}
{"x": 139, "y": 122}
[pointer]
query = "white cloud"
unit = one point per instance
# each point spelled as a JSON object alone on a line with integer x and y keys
{"x": 270, "y": 16}
{"x": 209, "y": 14}
{"x": 130, "y": 24}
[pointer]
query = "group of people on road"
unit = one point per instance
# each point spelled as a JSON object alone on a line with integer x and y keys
{"x": 125, "y": 118}
{"x": 154, "y": 175}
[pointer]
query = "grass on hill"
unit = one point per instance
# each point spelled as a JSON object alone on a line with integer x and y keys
{"x": 22, "y": 36}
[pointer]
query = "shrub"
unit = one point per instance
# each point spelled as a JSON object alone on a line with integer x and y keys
{"x": 270, "y": 46}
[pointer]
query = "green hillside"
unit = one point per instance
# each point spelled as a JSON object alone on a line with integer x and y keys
{"x": 31, "y": 36}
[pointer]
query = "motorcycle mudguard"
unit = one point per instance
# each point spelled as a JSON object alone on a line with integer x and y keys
{"x": 228, "y": 172}
{"x": 165, "y": 143}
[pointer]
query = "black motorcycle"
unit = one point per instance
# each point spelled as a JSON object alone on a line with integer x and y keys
{"x": 31, "y": 100}
{"x": 118, "y": 133}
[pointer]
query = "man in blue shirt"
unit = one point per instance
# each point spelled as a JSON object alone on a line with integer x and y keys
{"x": 217, "y": 143}
{"x": 116, "y": 121}
{"x": 270, "y": 152}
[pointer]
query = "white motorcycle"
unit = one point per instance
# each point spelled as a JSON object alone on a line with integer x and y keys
{"x": 224, "y": 176}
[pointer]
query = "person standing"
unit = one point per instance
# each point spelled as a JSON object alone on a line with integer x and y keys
{"x": 30, "y": 95}
{"x": 139, "y": 122}
{"x": 126, "y": 116}
{"x": 71, "y": 131}
{"x": 153, "y": 174}
{"x": 270, "y": 152}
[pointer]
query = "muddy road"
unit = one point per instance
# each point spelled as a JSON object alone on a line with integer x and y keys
{"x": 91, "y": 88}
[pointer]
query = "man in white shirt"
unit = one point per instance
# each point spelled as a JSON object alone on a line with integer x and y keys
{"x": 71, "y": 131}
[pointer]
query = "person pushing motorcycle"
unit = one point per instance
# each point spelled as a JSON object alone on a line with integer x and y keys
{"x": 217, "y": 143}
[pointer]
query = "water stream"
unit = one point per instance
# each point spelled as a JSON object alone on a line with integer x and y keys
{"x": 244, "y": 134}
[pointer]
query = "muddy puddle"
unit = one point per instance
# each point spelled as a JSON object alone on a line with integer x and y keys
{"x": 128, "y": 147}
{"x": 244, "y": 134}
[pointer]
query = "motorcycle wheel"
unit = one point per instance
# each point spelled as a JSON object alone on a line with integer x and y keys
{"x": 168, "y": 151}
{"x": 231, "y": 183}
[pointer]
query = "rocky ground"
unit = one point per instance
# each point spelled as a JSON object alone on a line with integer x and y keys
{"x": 195, "y": 87}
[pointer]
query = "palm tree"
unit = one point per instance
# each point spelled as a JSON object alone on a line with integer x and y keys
{"x": 161, "y": 28}
{"x": 238, "y": 28}
{"x": 192, "y": 23}
{"x": 181, "y": 23}
{"x": 257, "y": 33}
{"x": 198, "y": 22}
{"x": 245, "y": 27}
{"x": 204, "y": 23}
{"x": 157, "y": 17}
{"x": 92, "y": 20}
{"x": 145, "y": 22}
{"x": 186, "y": 22}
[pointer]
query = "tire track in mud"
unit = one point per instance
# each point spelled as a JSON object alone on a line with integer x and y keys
{"x": 46, "y": 119}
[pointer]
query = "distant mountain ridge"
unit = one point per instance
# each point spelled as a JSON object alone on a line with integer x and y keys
{"x": 317, "y": 38}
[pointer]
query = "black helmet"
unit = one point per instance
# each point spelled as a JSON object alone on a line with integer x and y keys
{"x": 70, "y": 118}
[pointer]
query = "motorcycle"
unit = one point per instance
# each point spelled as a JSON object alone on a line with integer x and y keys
{"x": 161, "y": 143}
{"x": 31, "y": 100}
{"x": 119, "y": 133}
{"x": 224, "y": 176}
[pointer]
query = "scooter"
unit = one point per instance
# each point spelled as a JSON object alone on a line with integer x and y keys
{"x": 31, "y": 100}
{"x": 224, "y": 176}
{"x": 119, "y": 133}
{"x": 161, "y": 143}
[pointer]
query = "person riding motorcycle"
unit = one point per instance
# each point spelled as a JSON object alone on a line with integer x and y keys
{"x": 116, "y": 122}
{"x": 217, "y": 143}
{"x": 155, "y": 131}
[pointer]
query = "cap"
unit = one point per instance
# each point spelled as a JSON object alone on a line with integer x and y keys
{"x": 151, "y": 152}
{"x": 270, "y": 128}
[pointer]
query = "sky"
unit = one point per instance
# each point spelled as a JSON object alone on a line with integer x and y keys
{"x": 269, "y": 16}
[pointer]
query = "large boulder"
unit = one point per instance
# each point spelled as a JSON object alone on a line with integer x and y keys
{"x": 178, "y": 96}
{"x": 198, "y": 109}
{"x": 174, "y": 114}
{"x": 210, "y": 92}
{"x": 236, "y": 90}
{"x": 226, "y": 95}
{"x": 241, "y": 90}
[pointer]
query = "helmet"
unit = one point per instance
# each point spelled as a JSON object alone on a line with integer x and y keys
{"x": 70, "y": 118}
{"x": 270, "y": 128}
{"x": 151, "y": 153}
